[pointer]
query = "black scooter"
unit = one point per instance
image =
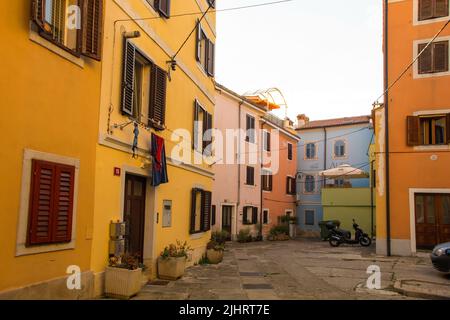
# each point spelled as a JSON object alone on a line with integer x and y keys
{"x": 340, "y": 236}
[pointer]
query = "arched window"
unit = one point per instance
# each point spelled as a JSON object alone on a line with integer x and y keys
{"x": 339, "y": 148}
{"x": 311, "y": 151}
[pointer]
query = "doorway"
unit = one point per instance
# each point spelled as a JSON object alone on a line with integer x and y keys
{"x": 432, "y": 219}
{"x": 227, "y": 214}
{"x": 134, "y": 214}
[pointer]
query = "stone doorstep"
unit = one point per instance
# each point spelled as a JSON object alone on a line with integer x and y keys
{"x": 423, "y": 289}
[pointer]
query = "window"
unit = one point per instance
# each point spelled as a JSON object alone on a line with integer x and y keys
{"x": 250, "y": 215}
{"x": 434, "y": 59}
{"x": 267, "y": 180}
{"x": 200, "y": 211}
{"x": 432, "y": 9}
{"x": 213, "y": 215}
{"x": 310, "y": 184}
{"x": 339, "y": 149}
{"x": 167, "y": 214}
{"x": 290, "y": 154}
{"x": 310, "y": 151}
{"x": 291, "y": 186}
{"x": 51, "y": 203}
{"x": 250, "y": 181}
{"x": 205, "y": 51}
{"x": 161, "y": 6}
{"x": 309, "y": 217}
{"x": 250, "y": 128}
{"x": 75, "y": 28}
{"x": 266, "y": 141}
{"x": 266, "y": 216}
{"x": 428, "y": 130}
{"x": 144, "y": 88}
{"x": 202, "y": 130}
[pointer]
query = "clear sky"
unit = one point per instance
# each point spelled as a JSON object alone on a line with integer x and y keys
{"x": 325, "y": 56}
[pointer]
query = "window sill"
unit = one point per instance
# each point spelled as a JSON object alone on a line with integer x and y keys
{"x": 38, "y": 39}
{"x": 432, "y": 148}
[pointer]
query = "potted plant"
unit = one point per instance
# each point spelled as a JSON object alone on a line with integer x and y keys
{"x": 214, "y": 252}
{"x": 172, "y": 261}
{"x": 123, "y": 276}
{"x": 279, "y": 233}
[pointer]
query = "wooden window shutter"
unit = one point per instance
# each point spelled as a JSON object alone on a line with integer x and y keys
{"x": 206, "y": 210}
{"x": 197, "y": 110}
{"x": 207, "y": 126}
{"x": 270, "y": 182}
{"x": 441, "y": 8}
{"x": 157, "y": 110}
{"x": 293, "y": 186}
{"x": 288, "y": 185}
{"x": 413, "y": 131}
{"x": 290, "y": 154}
{"x": 440, "y": 56}
{"x": 92, "y": 29}
{"x": 198, "y": 45}
{"x": 213, "y": 215}
{"x": 129, "y": 56}
{"x": 193, "y": 206}
{"x": 211, "y": 58}
{"x": 447, "y": 128}
{"x": 37, "y": 12}
{"x": 245, "y": 215}
{"x": 425, "y": 9}
{"x": 51, "y": 203}
{"x": 425, "y": 60}
{"x": 254, "y": 215}
{"x": 163, "y": 7}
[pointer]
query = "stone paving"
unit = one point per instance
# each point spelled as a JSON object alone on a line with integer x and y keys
{"x": 302, "y": 269}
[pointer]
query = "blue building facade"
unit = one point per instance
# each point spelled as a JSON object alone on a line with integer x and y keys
{"x": 324, "y": 145}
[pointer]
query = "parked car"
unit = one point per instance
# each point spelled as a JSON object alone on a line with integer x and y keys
{"x": 441, "y": 257}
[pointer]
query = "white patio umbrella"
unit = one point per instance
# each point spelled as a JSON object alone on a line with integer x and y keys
{"x": 344, "y": 171}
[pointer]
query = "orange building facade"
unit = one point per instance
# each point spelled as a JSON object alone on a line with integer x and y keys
{"x": 413, "y": 130}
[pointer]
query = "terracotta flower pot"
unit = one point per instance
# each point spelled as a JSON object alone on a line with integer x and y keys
{"x": 122, "y": 283}
{"x": 214, "y": 256}
{"x": 171, "y": 268}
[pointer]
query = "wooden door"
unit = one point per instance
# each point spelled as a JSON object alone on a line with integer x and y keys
{"x": 134, "y": 215}
{"x": 227, "y": 213}
{"x": 444, "y": 218}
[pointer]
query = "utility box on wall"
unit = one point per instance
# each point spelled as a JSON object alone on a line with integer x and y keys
{"x": 117, "y": 232}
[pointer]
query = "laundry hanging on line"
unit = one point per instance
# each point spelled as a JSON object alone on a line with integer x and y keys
{"x": 159, "y": 164}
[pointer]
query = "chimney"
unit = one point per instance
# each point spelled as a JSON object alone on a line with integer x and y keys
{"x": 302, "y": 120}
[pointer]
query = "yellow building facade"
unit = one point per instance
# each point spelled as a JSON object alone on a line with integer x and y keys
{"x": 150, "y": 36}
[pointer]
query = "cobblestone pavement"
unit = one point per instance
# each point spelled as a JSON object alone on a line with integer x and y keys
{"x": 298, "y": 269}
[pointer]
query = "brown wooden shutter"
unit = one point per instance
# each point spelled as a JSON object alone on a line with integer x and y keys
{"x": 207, "y": 126}
{"x": 441, "y": 8}
{"x": 213, "y": 215}
{"x": 193, "y": 206}
{"x": 197, "y": 110}
{"x": 413, "y": 131}
{"x": 51, "y": 203}
{"x": 211, "y": 58}
{"x": 254, "y": 215}
{"x": 37, "y": 13}
{"x": 288, "y": 185}
{"x": 129, "y": 56}
{"x": 440, "y": 56}
{"x": 206, "y": 210}
{"x": 425, "y": 9}
{"x": 425, "y": 60}
{"x": 245, "y": 215}
{"x": 157, "y": 110}
{"x": 447, "y": 128}
{"x": 163, "y": 7}
{"x": 198, "y": 46}
{"x": 270, "y": 182}
{"x": 92, "y": 29}
{"x": 63, "y": 204}
{"x": 290, "y": 154}
{"x": 293, "y": 186}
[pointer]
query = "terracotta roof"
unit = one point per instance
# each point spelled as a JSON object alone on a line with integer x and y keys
{"x": 336, "y": 122}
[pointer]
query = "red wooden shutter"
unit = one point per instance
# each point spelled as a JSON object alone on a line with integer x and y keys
{"x": 413, "y": 131}
{"x": 63, "y": 204}
{"x": 41, "y": 203}
{"x": 447, "y": 128}
{"x": 92, "y": 29}
{"x": 51, "y": 203}
{"x": 425, "y": 9}
{"x": 206, "y": 210}
{"x": 441, "y": 8}
{"x": 37, "y": 12}
{"x": 425, "y": 60}
{"x": 163, "y": 7}
{"x": 129, "y": 56}
{"x": 440, "y": 56}
{"x": 157, "y": 110}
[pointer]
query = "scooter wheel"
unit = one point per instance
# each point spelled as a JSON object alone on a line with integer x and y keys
{"x": 334, "y": 243}
{"x": 365, "y": 241}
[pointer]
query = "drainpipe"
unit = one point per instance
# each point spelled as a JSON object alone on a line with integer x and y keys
{"x": 238, "y": 168}
{"x": 325, "y": 147}
{"x": 260, "y": 180}
{"x": 371, "y": 196}
{"x": 386, "y": 126}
